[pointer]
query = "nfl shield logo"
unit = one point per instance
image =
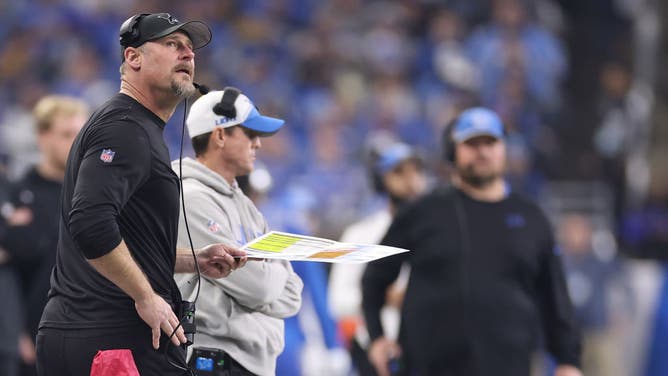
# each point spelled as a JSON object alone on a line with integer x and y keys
{"x": 213, "y": 226}
{"x": 107, "y": 155}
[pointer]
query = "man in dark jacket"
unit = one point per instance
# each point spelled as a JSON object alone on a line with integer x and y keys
{"x": 112, "y": 288}
{"x": 485, "y": 277}
{"x": 32, "y": 212}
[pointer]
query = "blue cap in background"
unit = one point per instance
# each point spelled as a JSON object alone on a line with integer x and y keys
{"x": 477, "y": 121}
{"x": 391, "y": 156}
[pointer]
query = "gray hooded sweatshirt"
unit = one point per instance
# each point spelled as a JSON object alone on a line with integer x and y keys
{"x": 243, "y": 313}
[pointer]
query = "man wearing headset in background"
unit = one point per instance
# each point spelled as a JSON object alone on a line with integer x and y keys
{"x": 241, "y": 319}
{"x": 484, "y": 272}
{"x": 112, "y": 288}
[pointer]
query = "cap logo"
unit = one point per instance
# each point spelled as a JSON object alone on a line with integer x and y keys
{"x": 171, "y": 19}
{"x": 224, "y": 120}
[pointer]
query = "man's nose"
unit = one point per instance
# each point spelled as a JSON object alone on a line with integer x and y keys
{"x": 188, "y": 53}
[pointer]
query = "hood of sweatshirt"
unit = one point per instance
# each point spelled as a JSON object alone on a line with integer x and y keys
{"x": 195, "y": 170}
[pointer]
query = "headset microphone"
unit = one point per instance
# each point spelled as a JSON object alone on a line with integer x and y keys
{"x": 203, "y": 89}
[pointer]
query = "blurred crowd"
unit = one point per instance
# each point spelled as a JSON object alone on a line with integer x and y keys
{"x": 566, "y": 86}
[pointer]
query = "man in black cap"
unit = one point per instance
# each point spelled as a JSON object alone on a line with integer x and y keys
{"x": 112, "y": 289}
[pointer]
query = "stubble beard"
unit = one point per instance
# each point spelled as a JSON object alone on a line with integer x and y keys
{"x": 469, "y": 176}
{"x": 183, "y": 89}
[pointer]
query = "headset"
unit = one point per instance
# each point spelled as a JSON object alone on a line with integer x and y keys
{"x": 374, "y": 174}
{"x": 129, "y": 32}
{"x": 226, "y": 105}
{"x": 447, "y": 143}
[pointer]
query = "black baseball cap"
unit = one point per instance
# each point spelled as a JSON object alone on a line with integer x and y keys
{"x": 145, "y": 27}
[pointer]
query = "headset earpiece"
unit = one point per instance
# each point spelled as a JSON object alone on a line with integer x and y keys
{"x": 447, "y": 143}
{"x": 374, "y": 174}
{"x": 226, "y": 105}
{"x": 129, "y": 32}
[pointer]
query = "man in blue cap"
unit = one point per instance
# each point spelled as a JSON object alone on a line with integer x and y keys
{"x": 485, "y": 278}
{"x": 113, "y": 294}
{"x": 241, "y": 320}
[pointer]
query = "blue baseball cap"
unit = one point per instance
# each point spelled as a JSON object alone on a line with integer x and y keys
{"x": 393, "y": 155}
{"x": 477, "y": 121}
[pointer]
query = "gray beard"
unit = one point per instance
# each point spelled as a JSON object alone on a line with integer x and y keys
{"x": 182, "y": 90}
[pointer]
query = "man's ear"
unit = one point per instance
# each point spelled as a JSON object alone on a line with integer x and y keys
{"x": 218, "y": 137}
{"x": 132, "y": 58}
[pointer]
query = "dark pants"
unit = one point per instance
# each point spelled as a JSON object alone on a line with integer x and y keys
{"x": 28, "y": 369}
{"x": 235, "y": 369}
{"x": 360, "y": 359}
{"x": 479, "y": 359}
{"x": 9, "y": 364}
{"x": 71, "y": 352}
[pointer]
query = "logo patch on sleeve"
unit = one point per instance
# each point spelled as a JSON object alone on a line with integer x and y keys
{"x": 107, "y": 155}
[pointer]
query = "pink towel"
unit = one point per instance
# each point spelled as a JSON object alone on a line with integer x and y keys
{"x": 118, "y": 362}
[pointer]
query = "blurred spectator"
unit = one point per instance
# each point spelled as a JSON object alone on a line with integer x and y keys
{"x": 312, "y": 344}
{"x": 600, "y": 294}
{"x": 645, "y": 230}
{"x": 315, "y": 345}
{"x": 448, "y": 79}
{"x": 645, "y": 235}
{"x": 532, "y": 146}
{"x": 656, "y": 363}
{"x": 623, "y": 112}
{"x": 521, "y": 66}
{"x": 337, "y": 183}
{"x": 17, "y": 129}
{"x": 257, "y": 184}
{"x": 394, "y": 108}
{"x": 32, "y": 212}
{"x": 11, "y": 320}
{"x": 512, "y": 40}
{"x": 81, "y": 76}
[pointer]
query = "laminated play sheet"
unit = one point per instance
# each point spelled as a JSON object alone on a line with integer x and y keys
{"x": 294, "y": 247}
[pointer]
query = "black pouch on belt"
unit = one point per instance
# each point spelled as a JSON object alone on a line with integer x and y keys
{"x": 209, "y": 361}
